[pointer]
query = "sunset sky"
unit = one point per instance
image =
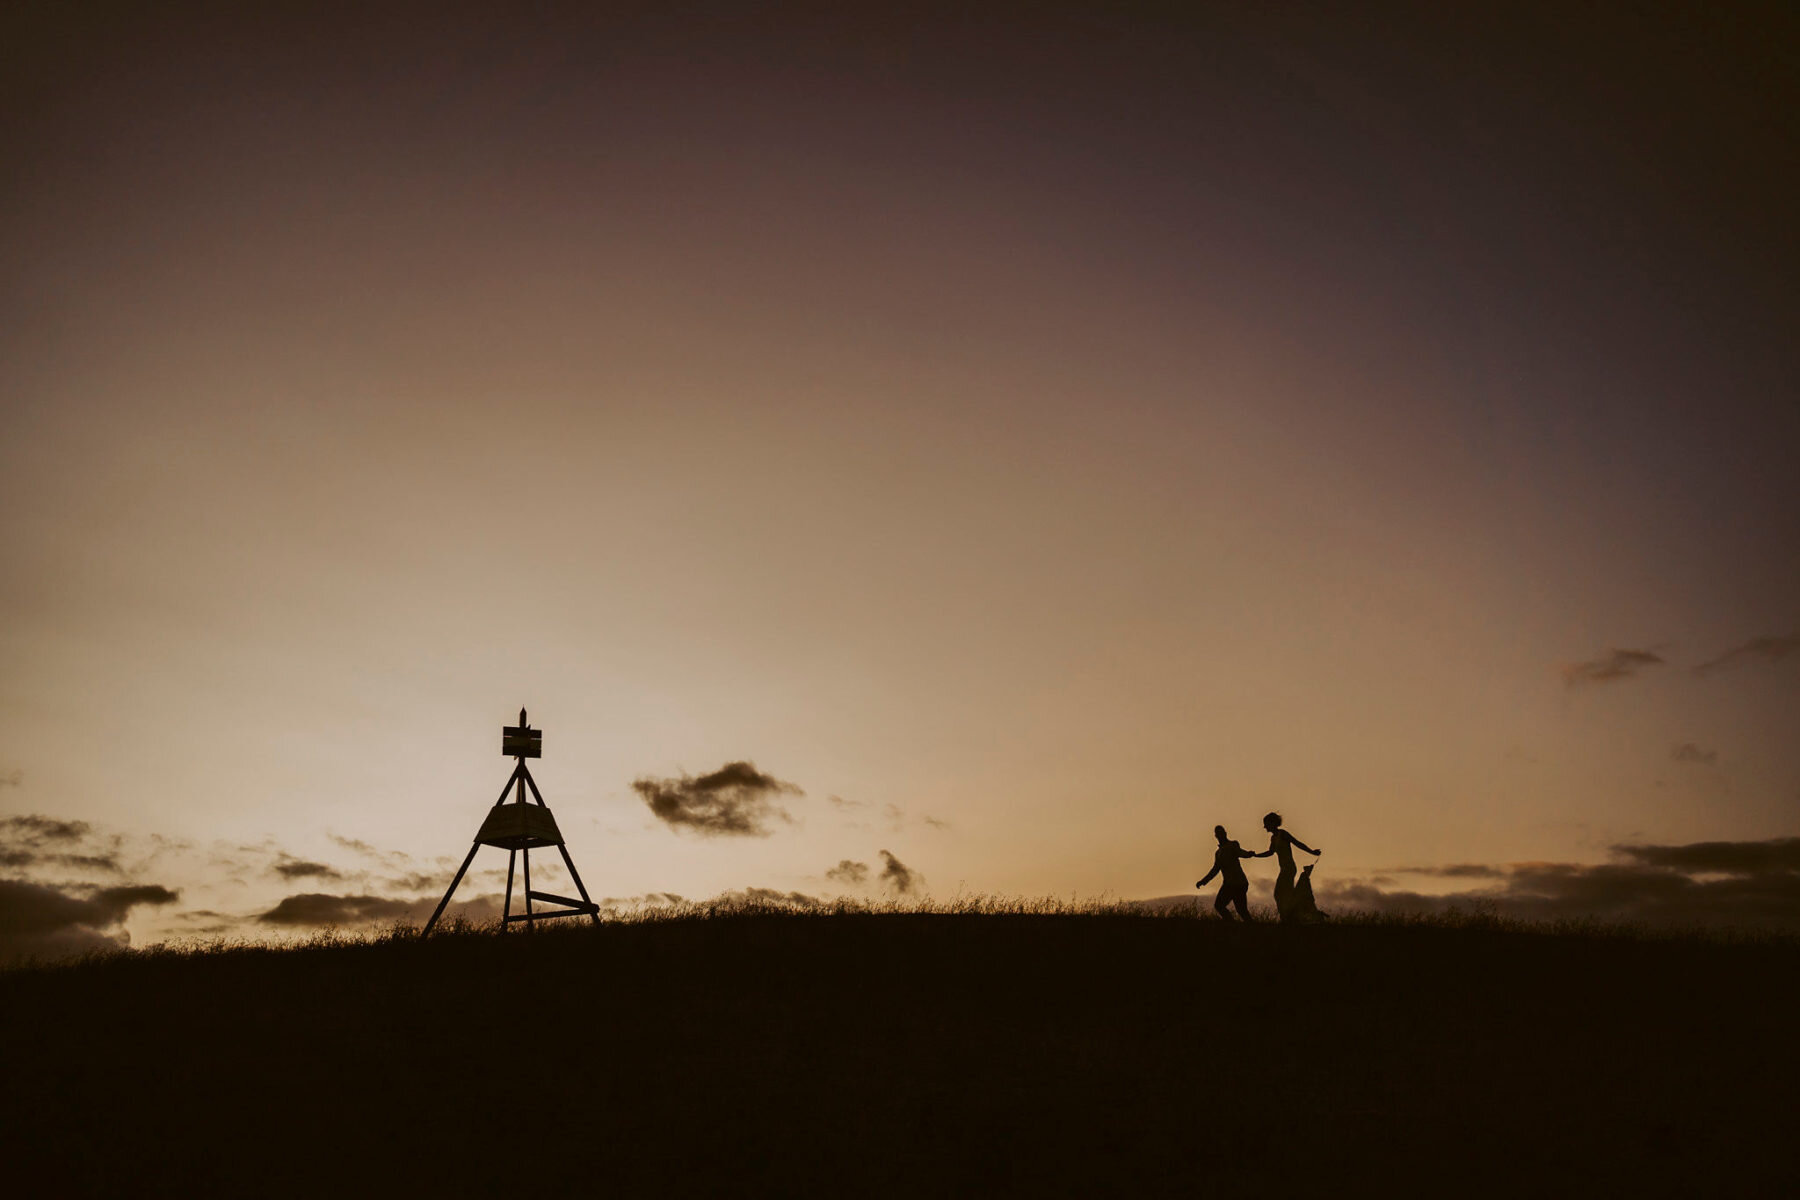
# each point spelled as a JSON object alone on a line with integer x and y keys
{"x": 1031, "y": 433}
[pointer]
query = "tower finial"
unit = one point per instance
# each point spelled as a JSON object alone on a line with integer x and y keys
{"x": 521, "y": 717}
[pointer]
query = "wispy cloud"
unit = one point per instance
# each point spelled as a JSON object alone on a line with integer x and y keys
{"x": 1455, "y": 871}
{"x": 1611, "y": 667}
{"x": 289, "y": 867}
{"x": 849, "y": 872}
{"x": 392, "y": 859}
{"x": 1758, "y": 649}
{"x": 36, "y": 830}
{"x": 1688, "y": 752}
{"x": 33, "y": 840}
{"x": 737, "y": 800}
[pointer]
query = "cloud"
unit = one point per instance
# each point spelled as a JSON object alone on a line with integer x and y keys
{"x": 289, "y": 867}
{"x": 1687, "y": 752}
{"x": 1757, "y": 649}
{"x": 897, "y": 819}
{"x": 12, "y": 778}
{"x": 32, "y": 840}
{"x": 318, "y": 908}
{"x": 87, "y": 862}
{"x": 41, "y": 921}
{"x": 1455, "y": 871}
{"x": 1610, "y": 667}
{"x": 35, "y": 830}
{"x": 737, "y": 800}
{"x": 420, "y": 881}
{"x": 1726, "y": 858}
{"x": 1720, "y": 884}
{"x": 847, "y": 871}
{"x": 899, "y": 876}
{"x": 392, "y": 858}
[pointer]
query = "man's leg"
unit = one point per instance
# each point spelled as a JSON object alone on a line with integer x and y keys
{"x": 1222, "y": 902}
{"x": 1241, "y": 898}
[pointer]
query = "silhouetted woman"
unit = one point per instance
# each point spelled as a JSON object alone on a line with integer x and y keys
{"x": 1281, "y": 845}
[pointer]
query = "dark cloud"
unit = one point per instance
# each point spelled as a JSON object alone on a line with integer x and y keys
{"x": 935, "y": 823}
{"x": 87, "y": 862}
{"x": 1757, "y": 649}
{"x": 41, "y": 921}
{"x": 34, "y": 840}
{"x": 1724, "y": 858}
{"x": 318, "y": 908}
{"x": 1687, "y": 752}
{"x": 1456, "y": 871}
{"x": 840, "y": 802}
{"x": 737, "y": 800}
{"x": 289, "y": 867}
{"x": 1720, "y": 884}
{"x": 1614, "y": 665}
{"x": 35, "y": 830}
{"x": 120, "y": 900}
{"x": 847, "y": 871}
{"x": 12, "y": 778}
{"x": 899, "y": 876}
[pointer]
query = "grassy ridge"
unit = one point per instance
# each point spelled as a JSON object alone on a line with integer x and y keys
{"x": 999, "y": 1048}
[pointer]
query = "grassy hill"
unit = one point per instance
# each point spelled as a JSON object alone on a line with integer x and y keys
{"x": 762, "y": 1051}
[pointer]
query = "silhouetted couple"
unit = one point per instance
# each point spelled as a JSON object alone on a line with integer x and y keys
{"x": 1293, "y": 897}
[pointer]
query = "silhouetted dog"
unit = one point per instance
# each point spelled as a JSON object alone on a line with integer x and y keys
{"x": 1305, "y": 908}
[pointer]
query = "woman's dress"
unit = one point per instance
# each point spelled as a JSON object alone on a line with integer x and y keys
{"x": 1282, "y": 843}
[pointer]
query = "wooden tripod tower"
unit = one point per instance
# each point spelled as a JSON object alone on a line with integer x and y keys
{"x": 519, "y": 828}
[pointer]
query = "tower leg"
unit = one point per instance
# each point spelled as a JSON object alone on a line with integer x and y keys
{"x": 429, "y": 925}
{"x": 580, "y": 888}
{"x": 506, "y": 909}
{"x": 527, "y": 854}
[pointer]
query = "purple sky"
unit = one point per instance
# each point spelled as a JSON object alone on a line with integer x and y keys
{"x": 1074, "y": 424}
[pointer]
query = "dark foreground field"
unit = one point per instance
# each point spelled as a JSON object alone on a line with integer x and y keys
{"x": 920, "y": 1054}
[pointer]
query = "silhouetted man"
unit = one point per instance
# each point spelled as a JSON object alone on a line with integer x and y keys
{"x": 1236, "y": 886}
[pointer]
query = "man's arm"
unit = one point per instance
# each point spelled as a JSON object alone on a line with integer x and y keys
{"x": 1243, "y": 853}
{"x": 1209, "y": 876}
